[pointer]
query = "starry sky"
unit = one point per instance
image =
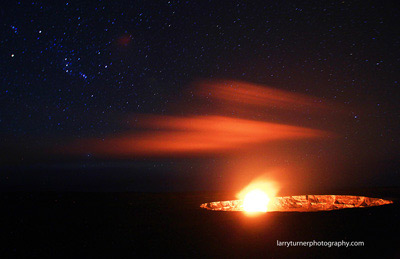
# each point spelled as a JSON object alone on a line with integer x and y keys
{"x": 80, "y": 69}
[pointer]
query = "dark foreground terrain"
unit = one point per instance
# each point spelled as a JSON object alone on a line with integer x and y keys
{"x": 143, "y": 224}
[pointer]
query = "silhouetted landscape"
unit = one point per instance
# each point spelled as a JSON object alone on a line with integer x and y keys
{"x": 59, "y": 224}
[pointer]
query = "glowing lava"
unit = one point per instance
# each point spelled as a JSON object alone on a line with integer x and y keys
{"x": 300, "y": 203}
{"x": 260, "y": 196}
{"x": 256, "y": 201}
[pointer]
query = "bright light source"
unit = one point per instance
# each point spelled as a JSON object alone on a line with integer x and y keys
{"x": 256, "y": 201}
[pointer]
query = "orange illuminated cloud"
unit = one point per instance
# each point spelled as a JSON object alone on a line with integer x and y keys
{"x": 197, "y": 134}
{"x": 243, "y": 93}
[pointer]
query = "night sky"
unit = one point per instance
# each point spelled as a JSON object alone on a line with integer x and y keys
{"x": 72, "y": 71}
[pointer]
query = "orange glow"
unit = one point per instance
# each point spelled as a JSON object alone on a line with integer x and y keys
{"x": 258, "y": 194}
{"x": 243, "y": 93}
{"x": 256, "y": 201}
{"x": 196, "y": 134}
{"x": 217, "y": 133}
{"x": 269, "y": 187}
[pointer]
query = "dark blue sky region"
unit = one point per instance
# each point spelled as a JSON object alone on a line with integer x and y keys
{"x": 67, "y": 67}
{"x": 82, "y": 69}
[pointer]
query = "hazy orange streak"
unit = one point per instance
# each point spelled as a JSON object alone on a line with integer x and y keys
{"x": 196, "y": 134}
{"x": 171, "y": 135}
{"x": 253, "y": 94}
